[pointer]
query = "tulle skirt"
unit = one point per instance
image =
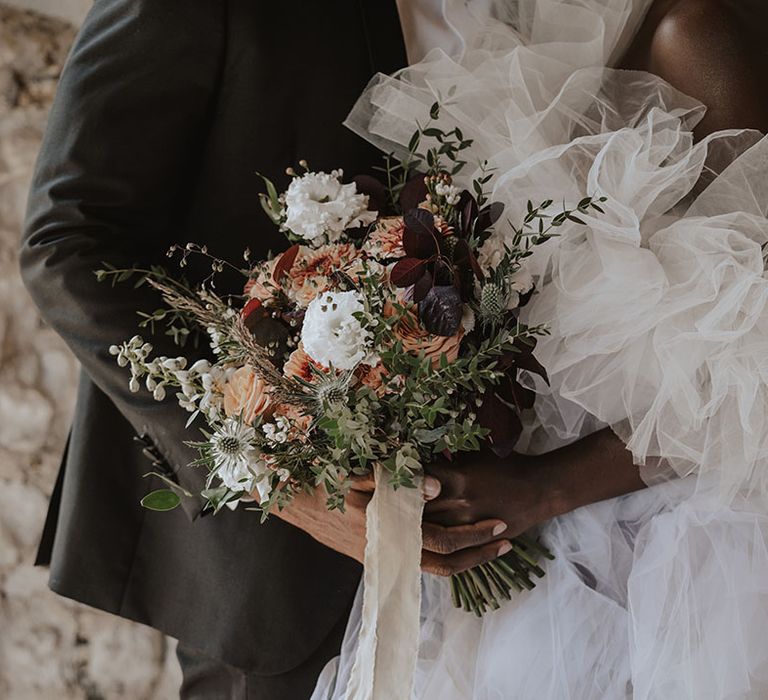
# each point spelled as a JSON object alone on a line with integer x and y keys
{"x": 649, "y": 596}
{"x": 659, "y": 329}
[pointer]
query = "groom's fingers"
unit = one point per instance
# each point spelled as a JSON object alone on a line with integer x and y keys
{"x": 450, "y": 564}
{"x": 448, "y": 540}
{"x": 366, "y": 483}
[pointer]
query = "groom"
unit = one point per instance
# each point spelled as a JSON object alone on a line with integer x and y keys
{"x": 165, "y": 113}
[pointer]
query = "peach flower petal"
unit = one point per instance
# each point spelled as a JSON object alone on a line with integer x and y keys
{"x": 246, "y": 395}
{"x": 416, "y": 339}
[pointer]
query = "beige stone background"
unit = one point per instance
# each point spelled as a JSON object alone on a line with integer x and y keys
{"x": 50, "y": 648}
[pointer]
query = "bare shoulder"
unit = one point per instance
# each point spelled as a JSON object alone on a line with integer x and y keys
{"x": 692, "y": 24}
{"x": 714, "y": 50}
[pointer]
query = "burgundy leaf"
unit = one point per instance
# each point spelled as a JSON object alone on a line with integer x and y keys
{"x": 476, "y": 267}
{"x": 377, "y": 193}
{"x": 285, "y": 263}
{"x": 419, "y": 237}
{"x": 511, "y": 391}
{"x": 488, "y": 216}
{"x": 441, "y": 311}
{"x": 502, "y": 421}
{"x": 464, "y": 197}
{"x": 532, "y": 365}
{"x": 414, "y": 193}
{"x": 406, "y": 272}
{"x": 422, "y": 286}
{"x": 524, "y": 359}
{"x": 269, "y": 332}
{"x": 507, "y": 360}
{"x": 251, "y": 307}
{"x": 461, "y": 253}
{"x": 525, "y": 298}
{"x": 468, "y": 215}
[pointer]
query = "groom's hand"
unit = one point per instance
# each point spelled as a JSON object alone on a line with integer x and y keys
{"x": 342, "y": 532}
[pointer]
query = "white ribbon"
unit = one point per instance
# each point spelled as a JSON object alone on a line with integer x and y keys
{"x": 388, "y": 643}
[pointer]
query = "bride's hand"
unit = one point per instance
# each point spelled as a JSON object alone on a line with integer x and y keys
{"x": 524, "y": 491}
{"x": 518, "y": 491}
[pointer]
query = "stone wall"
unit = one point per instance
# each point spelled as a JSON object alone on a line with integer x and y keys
{"x": 70, "y": 10}
{"x": 49, "y": 647}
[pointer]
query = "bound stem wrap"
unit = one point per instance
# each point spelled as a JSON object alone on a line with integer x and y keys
{"x": 389, "y": 635}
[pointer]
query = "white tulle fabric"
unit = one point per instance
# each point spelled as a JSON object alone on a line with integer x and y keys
{"x": 659, "y": 330}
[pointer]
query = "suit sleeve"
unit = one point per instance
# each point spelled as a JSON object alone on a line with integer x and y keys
{"x": 124, "y": 137}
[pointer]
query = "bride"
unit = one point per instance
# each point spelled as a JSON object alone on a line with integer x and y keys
{"x": 644, "y": 464}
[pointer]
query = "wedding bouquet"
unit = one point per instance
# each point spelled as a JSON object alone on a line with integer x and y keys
{"x": 387, "y": 334}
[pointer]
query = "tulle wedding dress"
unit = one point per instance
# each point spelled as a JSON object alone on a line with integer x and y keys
{"x": 659, "y": 329}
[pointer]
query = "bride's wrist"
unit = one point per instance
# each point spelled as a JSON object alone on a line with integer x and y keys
{"x": 557, "y": 489}
{"x": 592, "y": 469}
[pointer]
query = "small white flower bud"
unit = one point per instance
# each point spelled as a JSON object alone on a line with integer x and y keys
{"x": 200, "y": 367}
{"x": 114, "y": 350}
{"x": 159, "y": 393}
{"x": 133, "y": 385}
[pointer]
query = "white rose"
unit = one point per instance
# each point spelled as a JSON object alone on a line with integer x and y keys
{"x": 318, "y": 205}
{"x": 492, "y": 252}
{"x": 331, "y": 334}
{"x": 521, "y": 281}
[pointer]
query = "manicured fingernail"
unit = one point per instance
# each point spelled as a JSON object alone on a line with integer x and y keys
{"x": 499, "y": 529}
{"x": 431, "y": 488}
{"x": 506, "y": 547}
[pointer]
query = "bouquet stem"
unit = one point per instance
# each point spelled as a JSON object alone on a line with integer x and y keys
{"x": 487, "y": 585}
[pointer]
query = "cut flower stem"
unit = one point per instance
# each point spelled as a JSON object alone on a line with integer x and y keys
{"x": 486, "y": 586}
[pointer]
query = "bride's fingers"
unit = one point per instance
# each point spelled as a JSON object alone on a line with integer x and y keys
{"x": 448, "y": 540}
{"x": 450, "y": 564}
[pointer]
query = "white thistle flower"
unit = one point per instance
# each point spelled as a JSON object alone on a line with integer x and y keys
{"x": 234, "y": 455}
{"x": 332, "y": 335}
{"x": 319, "y": 204}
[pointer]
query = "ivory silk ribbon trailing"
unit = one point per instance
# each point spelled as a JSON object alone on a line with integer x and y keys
{"x": 388, "y": 644}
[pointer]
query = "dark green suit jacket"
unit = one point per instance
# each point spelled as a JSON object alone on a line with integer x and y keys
{"x": 165, "y": 112}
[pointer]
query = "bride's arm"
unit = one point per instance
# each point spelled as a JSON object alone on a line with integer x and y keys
{"x": 524, "y": 491}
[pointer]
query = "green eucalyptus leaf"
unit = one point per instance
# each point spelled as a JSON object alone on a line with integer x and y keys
{"x": 161, "y": 500}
